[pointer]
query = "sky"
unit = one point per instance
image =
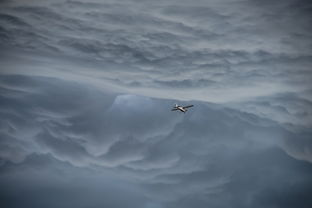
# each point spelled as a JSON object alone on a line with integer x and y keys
{"x": 87, "y": 87}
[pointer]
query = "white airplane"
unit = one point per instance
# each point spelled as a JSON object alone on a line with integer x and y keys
{"x": 181, "y": 108}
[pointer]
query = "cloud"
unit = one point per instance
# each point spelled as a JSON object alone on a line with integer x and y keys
{"x": 46, "y": 181}
{"x": 290, "y": 109}
{"x": 86, "y": 90}
{"x": 212, "y": 48}
{"x": 166, "y": 158}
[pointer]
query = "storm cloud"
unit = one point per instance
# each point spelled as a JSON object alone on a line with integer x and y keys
{"x": 86, "y": 89}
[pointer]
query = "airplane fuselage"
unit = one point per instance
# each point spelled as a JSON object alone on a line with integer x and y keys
{"x": 181, "y": 109}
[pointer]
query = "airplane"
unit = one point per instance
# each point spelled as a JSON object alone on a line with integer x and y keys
{"x": 181, "y": 108}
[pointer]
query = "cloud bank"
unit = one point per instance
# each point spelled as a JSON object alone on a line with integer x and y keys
{"x": 86, "y": 90}
{"x": 133, "y": 145}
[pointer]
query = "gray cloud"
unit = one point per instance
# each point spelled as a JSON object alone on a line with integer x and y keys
{"x": 167, "y": 43}
{"x": 86, "y": 90}
{"x": 47, "y": 182}
{"x": 168, "y": 159}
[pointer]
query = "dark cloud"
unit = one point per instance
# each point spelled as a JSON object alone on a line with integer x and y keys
{"x": 45, "y": 181}
{"x": 86, "y": 90}
{"x": 187, "y": 83}
{"x": 199, "y": 42}
{"x": 166, "y": 159}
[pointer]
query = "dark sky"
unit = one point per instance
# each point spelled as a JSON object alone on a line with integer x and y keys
{"x": 86, "y": 89}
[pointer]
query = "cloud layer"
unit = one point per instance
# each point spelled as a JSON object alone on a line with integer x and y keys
{"x": 86, "y": 90}
{"x": 212, "y": 49}
{"x": 53, "y": 129}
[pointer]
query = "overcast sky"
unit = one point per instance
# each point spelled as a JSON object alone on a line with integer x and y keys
{"x": 86, "y": 89}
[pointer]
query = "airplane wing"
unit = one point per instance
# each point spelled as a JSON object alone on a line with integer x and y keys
{"x": 174, "y": 109}
{"x": 188, "y": 106}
